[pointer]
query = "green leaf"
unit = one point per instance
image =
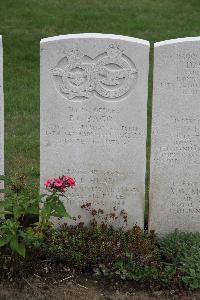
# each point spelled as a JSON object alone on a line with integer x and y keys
{"x": 18, "y": 247}
{"x": 3, "y": 242}
{"x": 6, "y": 205}
{"x": 6, "y": 212}
{"x": 14, "y": 243}
{"x": 59, "y": 210}
{"x": 21, "y": 250}
{"x": 18, "y": 212}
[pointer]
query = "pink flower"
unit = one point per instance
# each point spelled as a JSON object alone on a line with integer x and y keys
{"x": 71, "y": 181}
{"x": 47, "y": 183}
{"x": 58, "y": 182}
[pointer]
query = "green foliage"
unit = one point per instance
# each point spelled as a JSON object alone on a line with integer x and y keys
{"x": 33, "y": 237}
{"x": 20, "y": 206}
{"x": 102, "y": 248}
{"x": 181, "y": 251}
{"x": 171, "y": 262}
{"x": 52, "y": 206}
{"x": 129, "y": 268}
{"x": 10, "y": 234}
{"x": 16, "y": 203}
{"x": 18, "y": 199}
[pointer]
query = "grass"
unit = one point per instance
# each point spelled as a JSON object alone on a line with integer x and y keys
{"x": 24, "y": 22}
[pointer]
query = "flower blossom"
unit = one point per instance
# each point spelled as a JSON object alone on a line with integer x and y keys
{"x": 48, "y": 183}
{"x": 71, "y": 182}
{"x": 58, "y": 182}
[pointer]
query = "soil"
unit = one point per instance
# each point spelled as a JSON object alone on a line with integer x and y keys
{"x": 49, "y": 283}
{"x": 38, "y": 278}
{"x": 73, "y": 288}
{"x": 67, "y": 289}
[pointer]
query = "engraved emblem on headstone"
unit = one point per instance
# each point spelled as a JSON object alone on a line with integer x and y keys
{"x": 110, "y": 75}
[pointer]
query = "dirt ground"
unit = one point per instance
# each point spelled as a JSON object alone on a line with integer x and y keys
{"x": 43, "y": 279}
{"x": 74, "y": 287}
{"x": 65, "y": 290}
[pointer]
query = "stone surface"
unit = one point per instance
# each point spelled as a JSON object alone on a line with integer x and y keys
{"x": 1, "y": 113}
{"x": 93, "y": 121}
{"x": 175, "y": 153}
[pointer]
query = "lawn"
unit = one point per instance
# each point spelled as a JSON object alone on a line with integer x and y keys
{"x": 24, "y": 22}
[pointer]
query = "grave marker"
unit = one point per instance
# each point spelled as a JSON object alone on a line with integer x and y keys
{"x": 93, "y": 120}
{"x": 175, "y": 153}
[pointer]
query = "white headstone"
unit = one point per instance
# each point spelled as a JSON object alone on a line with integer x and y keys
{"x": 1, "y": 113}
{"x": 93, "y": 120}
{"x": 175, "y": 153}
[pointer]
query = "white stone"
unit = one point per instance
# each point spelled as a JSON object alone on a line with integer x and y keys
{"x": 1, "y": 113}
{"x": 93, "y": 121}
{"x": 175, "y": 153}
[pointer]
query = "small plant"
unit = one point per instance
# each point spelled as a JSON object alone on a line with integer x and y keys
{"x": 19, "y": 209}
{"x": 18, "y": 202}
{"x": 10, "y": 234}
{"x": 18, "y": 199}
{"x": 100, "y": 247}
{"x": 52, "y": 206}
{"x": 181, "y": 252}
{"x": 171, "y": 262}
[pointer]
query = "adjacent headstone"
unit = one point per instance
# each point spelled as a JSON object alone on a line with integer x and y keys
{"x": 175, "y": 153}
{"x": 93, "y": 121}
{"x": 1, "y": 114}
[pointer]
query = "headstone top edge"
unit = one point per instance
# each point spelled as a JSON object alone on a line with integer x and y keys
{"x": 95, "y": 35}
{"x": 177, "y": 41}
